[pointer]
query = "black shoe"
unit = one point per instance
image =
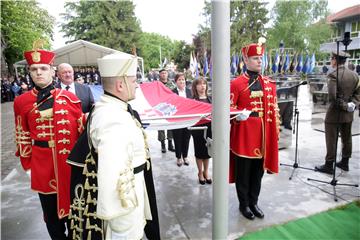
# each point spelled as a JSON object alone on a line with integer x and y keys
{"x": 163, "y": 147}
{"x": 186, "y": 162}
{"x": 202, "y": 182}
{"x": 257, "y": 211}
{"x": 207, "y": 180}
{"x": 343, "y": 164}
{"x": 171, "y": 147}
{"x": 247, "y": 213}
{"x": 326, "y": 168}
{"x": 288, "y": 126}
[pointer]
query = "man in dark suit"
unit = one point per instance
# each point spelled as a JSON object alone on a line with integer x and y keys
{"x": 344, "y": 97}
{"x": 65, "y": 73}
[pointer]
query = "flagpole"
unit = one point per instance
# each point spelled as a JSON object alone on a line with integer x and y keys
{"x": 220, "y": 38}
{"x": 160, "y": 56}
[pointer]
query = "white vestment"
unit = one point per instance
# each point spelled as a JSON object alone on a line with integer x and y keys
{"x": 119, "y": 142}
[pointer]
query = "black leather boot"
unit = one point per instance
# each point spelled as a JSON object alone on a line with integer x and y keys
{"x": 326, "y": 168}
{"x": 163, "y": 146}
{"x": 170, "y": 146}
{"x": 343, "y": 164}
{"x": 256, "y": 211}
{"x": 247, "y": 213}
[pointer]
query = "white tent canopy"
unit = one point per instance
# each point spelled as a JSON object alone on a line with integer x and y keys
{"x": 81, "y": 53}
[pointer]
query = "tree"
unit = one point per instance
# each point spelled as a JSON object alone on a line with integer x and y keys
{"x": 23, "y": 22}
{"x": 151, "y": 45}
{"x": 109, "y": 23}
{"x": 296, "y": 21}
{"x": 247, "y": 18}
{"x": 182, "y": 54}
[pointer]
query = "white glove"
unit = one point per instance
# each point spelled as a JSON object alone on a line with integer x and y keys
{"x": 351, "y": 107}
{"x": 209, "y": 142}
{"x": 243, "y": 115}
{"x": 28, "y": 173}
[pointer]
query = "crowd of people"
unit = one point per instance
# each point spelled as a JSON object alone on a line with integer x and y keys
{"x": 12, "y": 87}
{"x": 68, "y": 144}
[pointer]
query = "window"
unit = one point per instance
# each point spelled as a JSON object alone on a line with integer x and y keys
{"x": 355, "y": 29}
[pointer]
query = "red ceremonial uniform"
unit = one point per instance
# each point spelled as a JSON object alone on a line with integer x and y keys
{"x": 260, "y": 131}
{"x": 57, "y": 127}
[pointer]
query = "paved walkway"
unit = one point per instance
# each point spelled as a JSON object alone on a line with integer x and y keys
{"x": 185, "y": 207}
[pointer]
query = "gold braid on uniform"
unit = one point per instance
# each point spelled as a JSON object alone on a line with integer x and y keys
{"x": 82, "y": 216}
{"x": 85, "y": 198}
{"x": 22, "y": 139}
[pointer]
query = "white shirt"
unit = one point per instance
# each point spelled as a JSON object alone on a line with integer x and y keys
{"x": 71, "y": 89}
{"x": 182, "y": 93}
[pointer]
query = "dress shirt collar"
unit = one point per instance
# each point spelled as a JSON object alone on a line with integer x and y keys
{"x": 182, "y": 93}
{"x": 71, "y": 89}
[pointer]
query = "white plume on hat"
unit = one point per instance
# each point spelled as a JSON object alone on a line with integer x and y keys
{"x": 117, "y": 64}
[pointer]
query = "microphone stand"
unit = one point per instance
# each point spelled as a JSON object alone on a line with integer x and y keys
{"x": 334, "y": 182}
{"x": 296, "y": 130}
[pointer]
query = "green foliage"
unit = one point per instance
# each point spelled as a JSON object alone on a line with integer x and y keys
{"x": 23, "y": 22}
{"x": 182, "y": 55}
{"x": 109, "y": 23}
{"x": 150, "y": 45}
{"x": 247, "y": 25}
{"x": 294, "y": 22}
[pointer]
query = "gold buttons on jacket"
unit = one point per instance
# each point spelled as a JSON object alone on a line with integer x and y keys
{"x": 63, "y": 121}
{"x": 64, "y": 141}
{"x": 64, "y": 131}
{"x": 64, "y": 151}
{"x": 62, "y": 112}
{"x": 60, "y": 101}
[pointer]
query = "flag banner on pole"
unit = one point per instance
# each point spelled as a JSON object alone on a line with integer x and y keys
{"x": 300, "y": 63}
{"x": 312, "y": 63}
{"x": 161, "y": 109}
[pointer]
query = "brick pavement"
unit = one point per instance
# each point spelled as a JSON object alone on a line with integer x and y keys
{"x": 8, "y": 159}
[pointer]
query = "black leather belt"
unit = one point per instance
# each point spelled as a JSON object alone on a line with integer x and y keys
{"x": 44, "y": 144}
{"x": 139, "y": 168}
{"x": 254, "y": 114}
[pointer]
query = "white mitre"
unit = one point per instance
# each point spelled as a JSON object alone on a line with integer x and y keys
{"x": 117, "y": 64}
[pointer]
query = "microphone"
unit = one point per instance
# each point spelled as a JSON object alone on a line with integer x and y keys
{"x": 301, "y": 83}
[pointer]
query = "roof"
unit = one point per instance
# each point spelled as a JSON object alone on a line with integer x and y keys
{"x": 344, "y": 14}
{"x": 80, "y": 53}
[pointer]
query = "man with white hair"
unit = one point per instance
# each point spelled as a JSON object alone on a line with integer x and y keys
{"x": 65, "y": 73}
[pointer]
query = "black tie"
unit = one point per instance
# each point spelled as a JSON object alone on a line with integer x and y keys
{"x": 67, "y": 87}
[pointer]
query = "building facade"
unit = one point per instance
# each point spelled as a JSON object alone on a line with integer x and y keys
{"x": 347, "y": 20}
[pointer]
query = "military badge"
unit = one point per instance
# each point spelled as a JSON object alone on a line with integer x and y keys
{"x": 36, "y": 56}
{"x": 259, "y": 50}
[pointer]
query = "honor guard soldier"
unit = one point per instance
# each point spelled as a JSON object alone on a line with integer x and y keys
{"x": 254, "y": 136}
{"x": 114, "y": 189}
{"x": 48, "y": 122}
{"x": 344, "y": 98}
